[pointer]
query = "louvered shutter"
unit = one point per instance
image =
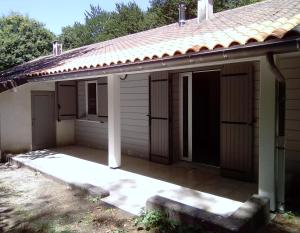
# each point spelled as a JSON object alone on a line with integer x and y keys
{"x": 66, "y": 100}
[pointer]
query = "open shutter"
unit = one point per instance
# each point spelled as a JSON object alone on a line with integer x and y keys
{"x": 66, "y": 100}
{"x": 102, "y": 97}
{"x": 160, "y": 150}
{"x": 237, "y": 121}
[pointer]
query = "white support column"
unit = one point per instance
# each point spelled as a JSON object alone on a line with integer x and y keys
{"x": 267, "y": 133}
{"x": 114, "y": 125}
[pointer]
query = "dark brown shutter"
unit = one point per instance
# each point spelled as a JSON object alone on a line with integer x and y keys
{"x": 160, "y": 149}
{"x": 66, "y": 100}
{"x": 102, "y": 97}
{"x": 237, "y": 121}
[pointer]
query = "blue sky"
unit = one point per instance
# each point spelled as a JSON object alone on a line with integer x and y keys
{"x": 58, "y": 13}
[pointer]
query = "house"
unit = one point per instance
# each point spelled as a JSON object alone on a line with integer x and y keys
{"x": 222, "y": 89}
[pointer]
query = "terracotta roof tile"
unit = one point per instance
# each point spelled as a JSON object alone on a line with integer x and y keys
{"x": 254, "y": 23}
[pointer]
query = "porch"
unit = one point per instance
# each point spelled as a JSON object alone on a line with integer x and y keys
{"x": 138, "y": 179}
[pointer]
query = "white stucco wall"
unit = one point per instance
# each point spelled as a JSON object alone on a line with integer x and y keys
{"x": 15, "y": 115}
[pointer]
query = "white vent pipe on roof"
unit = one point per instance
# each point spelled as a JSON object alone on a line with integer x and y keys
{"x": 205, "y": 10}
{"x": 57, "y": 48}
{"x": 182, "y": 9}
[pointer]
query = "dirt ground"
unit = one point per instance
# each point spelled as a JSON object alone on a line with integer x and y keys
{"x": 32, "y": 203}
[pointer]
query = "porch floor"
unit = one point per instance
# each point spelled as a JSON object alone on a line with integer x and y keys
{"x": 138, "y": 179}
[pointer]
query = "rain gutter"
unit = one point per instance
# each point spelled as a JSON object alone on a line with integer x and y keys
{"x": 237, "y": 52}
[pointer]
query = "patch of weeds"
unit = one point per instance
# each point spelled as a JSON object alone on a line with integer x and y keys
{"x": 289, "y": 215}
{"x": 87, "y": 219}
{"x": 109, "y": 210}
{"x": 50, "y": 227}
{"x": 43, "y": 226}
{"x": 158, "y": 221}
{"x": 120, "y": 231}
{"x": 4, "y": 189}
{"x": 93, "y": 199}
{"x": 19, "y": 211}
{"x": 155, "y": 220}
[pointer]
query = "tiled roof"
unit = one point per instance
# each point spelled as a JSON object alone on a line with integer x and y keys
{"x": 267, "y": 20}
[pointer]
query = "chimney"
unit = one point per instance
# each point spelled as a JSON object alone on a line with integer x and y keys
{"x": 57, "y": 48}
{"x": 181, "y": 8}
{"x": 205, "y": 9}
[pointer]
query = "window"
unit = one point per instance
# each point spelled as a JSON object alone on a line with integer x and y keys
{"x": 92, "y": 100}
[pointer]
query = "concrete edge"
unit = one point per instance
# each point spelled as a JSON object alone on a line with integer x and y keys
{"x": 85, "y": 188}
{"x": 249, "y": 218}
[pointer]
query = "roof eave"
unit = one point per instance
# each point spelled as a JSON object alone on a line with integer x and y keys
{"x": 236, "y": 52}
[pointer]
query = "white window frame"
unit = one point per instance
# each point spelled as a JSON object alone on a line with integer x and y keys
{"x": 87, "y": 99}
{"x": 190, "y": 115}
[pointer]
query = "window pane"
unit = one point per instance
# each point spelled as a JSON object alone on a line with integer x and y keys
{"x": 92, "y": 102}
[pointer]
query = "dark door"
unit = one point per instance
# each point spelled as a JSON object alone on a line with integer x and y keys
{"x": 206, "y": 117}
{"x": 237, "y": 121}
{"x": 43, "y": 119}
{"x": 160, "y": 118}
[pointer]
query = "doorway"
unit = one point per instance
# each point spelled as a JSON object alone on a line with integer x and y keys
{"x": 206, "y": 117}
{"x": 43, "y": 119}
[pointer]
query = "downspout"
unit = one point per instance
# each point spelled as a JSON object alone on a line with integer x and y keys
{"x": 280, "y": 134}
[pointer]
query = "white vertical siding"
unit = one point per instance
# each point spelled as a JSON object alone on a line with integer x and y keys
{"x": 290, "y": 67}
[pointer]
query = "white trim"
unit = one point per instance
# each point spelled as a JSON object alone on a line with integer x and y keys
{"x": 86, "y": 97}
{"x": 114, "y": 122}
{"x": 267, "y": 122}
{"x": 190, "y": 111}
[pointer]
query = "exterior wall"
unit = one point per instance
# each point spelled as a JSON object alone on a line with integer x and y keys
{"x": 134, "y": 120}
{"x": 290, "y": 67}
{"x": 65, "y": 132}
{"x": 15, "y": 115}
{"x": 231, "y": 69}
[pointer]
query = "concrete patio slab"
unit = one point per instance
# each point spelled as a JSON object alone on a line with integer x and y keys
{"x": 128, "y": 190}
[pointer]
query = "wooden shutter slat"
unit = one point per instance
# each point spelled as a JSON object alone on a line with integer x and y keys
{"x": 236, "y": 121}
{"x": 66, "y": 100}
{"x": 159, "y": 118}
{"x": 102, "y": 97}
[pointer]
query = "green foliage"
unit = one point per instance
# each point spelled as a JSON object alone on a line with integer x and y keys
{"x": 158, "y": 221}
{"x": 167, "y": 10}
{"x": 94, "y": 199}
{"x": 221, "y": 5}
{"x": 120, "y": 231}
{"x": 75, "y": 36}
{"x": 155, "y": 220}
{"x": 22, "y": 39}
{"x": 101, "y": 25}
{"x": 289, "y": 216}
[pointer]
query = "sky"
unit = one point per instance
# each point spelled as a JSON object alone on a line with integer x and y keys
{"x": 56, "y": 14}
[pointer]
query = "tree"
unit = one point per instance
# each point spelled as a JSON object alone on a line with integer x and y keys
{"x": 127, "y": 19}
{"x": 167, "y": 10}
{"x": 22, "y": 39}
{"x": 101, "y": 25}
{"x": 75, "y": 36}
{"x": 220, "y": 5}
